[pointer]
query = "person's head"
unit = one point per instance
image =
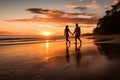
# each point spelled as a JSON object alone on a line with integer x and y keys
{"x": 76, "y": 24}
{"x": 66, "y": 26}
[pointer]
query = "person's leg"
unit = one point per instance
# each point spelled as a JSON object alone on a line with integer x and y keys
{"x": 67, "y": 40}
{"x": 79, "y": 39}
{"x": 75, "y": 39}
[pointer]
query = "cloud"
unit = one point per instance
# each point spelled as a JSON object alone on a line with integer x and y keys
{"x": 116, "y": 1}
{"x": 57, "y": 16}
{"x": 81, "y": 8}
{"x": 81, "y": 0}
{"x": 57, "y": 13}
{"x": 48, "y": 12}
{"x": 107, "y": 7}
{"x": 92, "y": 6}
{"x": 71, "y": 6}
{"x": 57, "y": 20}
{"x": 94, "y": 1}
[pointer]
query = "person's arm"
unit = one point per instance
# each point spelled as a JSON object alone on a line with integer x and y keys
{"x": 70, "y": 32}
{"x": 74, "y": 32}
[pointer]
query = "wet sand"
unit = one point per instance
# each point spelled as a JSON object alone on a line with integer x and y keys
{"x": 94, "y": 59}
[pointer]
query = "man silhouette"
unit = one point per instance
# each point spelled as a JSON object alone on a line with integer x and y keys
{"x": 78, "y": 53}
{"x": 66, "y": 33}
{"x": 77, "y": 33}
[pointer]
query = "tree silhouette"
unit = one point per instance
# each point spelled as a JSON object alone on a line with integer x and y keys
{"x": 110, "y": 23}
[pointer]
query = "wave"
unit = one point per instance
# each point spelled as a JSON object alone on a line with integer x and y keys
{"x": 20, "y": 40}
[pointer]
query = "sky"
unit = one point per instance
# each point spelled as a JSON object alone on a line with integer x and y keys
{"x": 34, "y": 17}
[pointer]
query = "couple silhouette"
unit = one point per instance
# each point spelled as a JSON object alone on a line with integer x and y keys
{"x": 77, "y": 33}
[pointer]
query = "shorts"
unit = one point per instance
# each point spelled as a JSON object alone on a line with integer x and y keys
{"x": 77, "y": 36}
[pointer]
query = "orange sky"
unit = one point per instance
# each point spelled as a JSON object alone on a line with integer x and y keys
{"x": 32, "y": 17}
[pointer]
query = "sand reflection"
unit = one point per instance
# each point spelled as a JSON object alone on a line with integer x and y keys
{"x": 53, "y": 60}
{"x": 47, "y": 46}
{"x": 67, "y": 53}
{"x": 78, "y": 53}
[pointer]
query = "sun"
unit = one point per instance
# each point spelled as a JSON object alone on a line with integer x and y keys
{"x": 46, "y": 33}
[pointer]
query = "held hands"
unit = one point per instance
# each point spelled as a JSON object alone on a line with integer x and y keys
{"x": 72, "y": 33}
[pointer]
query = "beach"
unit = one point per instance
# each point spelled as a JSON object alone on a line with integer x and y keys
{"x": 96, "y": 58}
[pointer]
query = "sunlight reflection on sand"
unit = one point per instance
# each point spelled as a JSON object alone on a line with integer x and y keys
{"x": 53, "y": 60}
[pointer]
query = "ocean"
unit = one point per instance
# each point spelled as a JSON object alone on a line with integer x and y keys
{"x": 26, "y": 39}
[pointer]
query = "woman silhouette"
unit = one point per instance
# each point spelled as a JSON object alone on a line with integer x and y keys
{"x": 66, "y": 33}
